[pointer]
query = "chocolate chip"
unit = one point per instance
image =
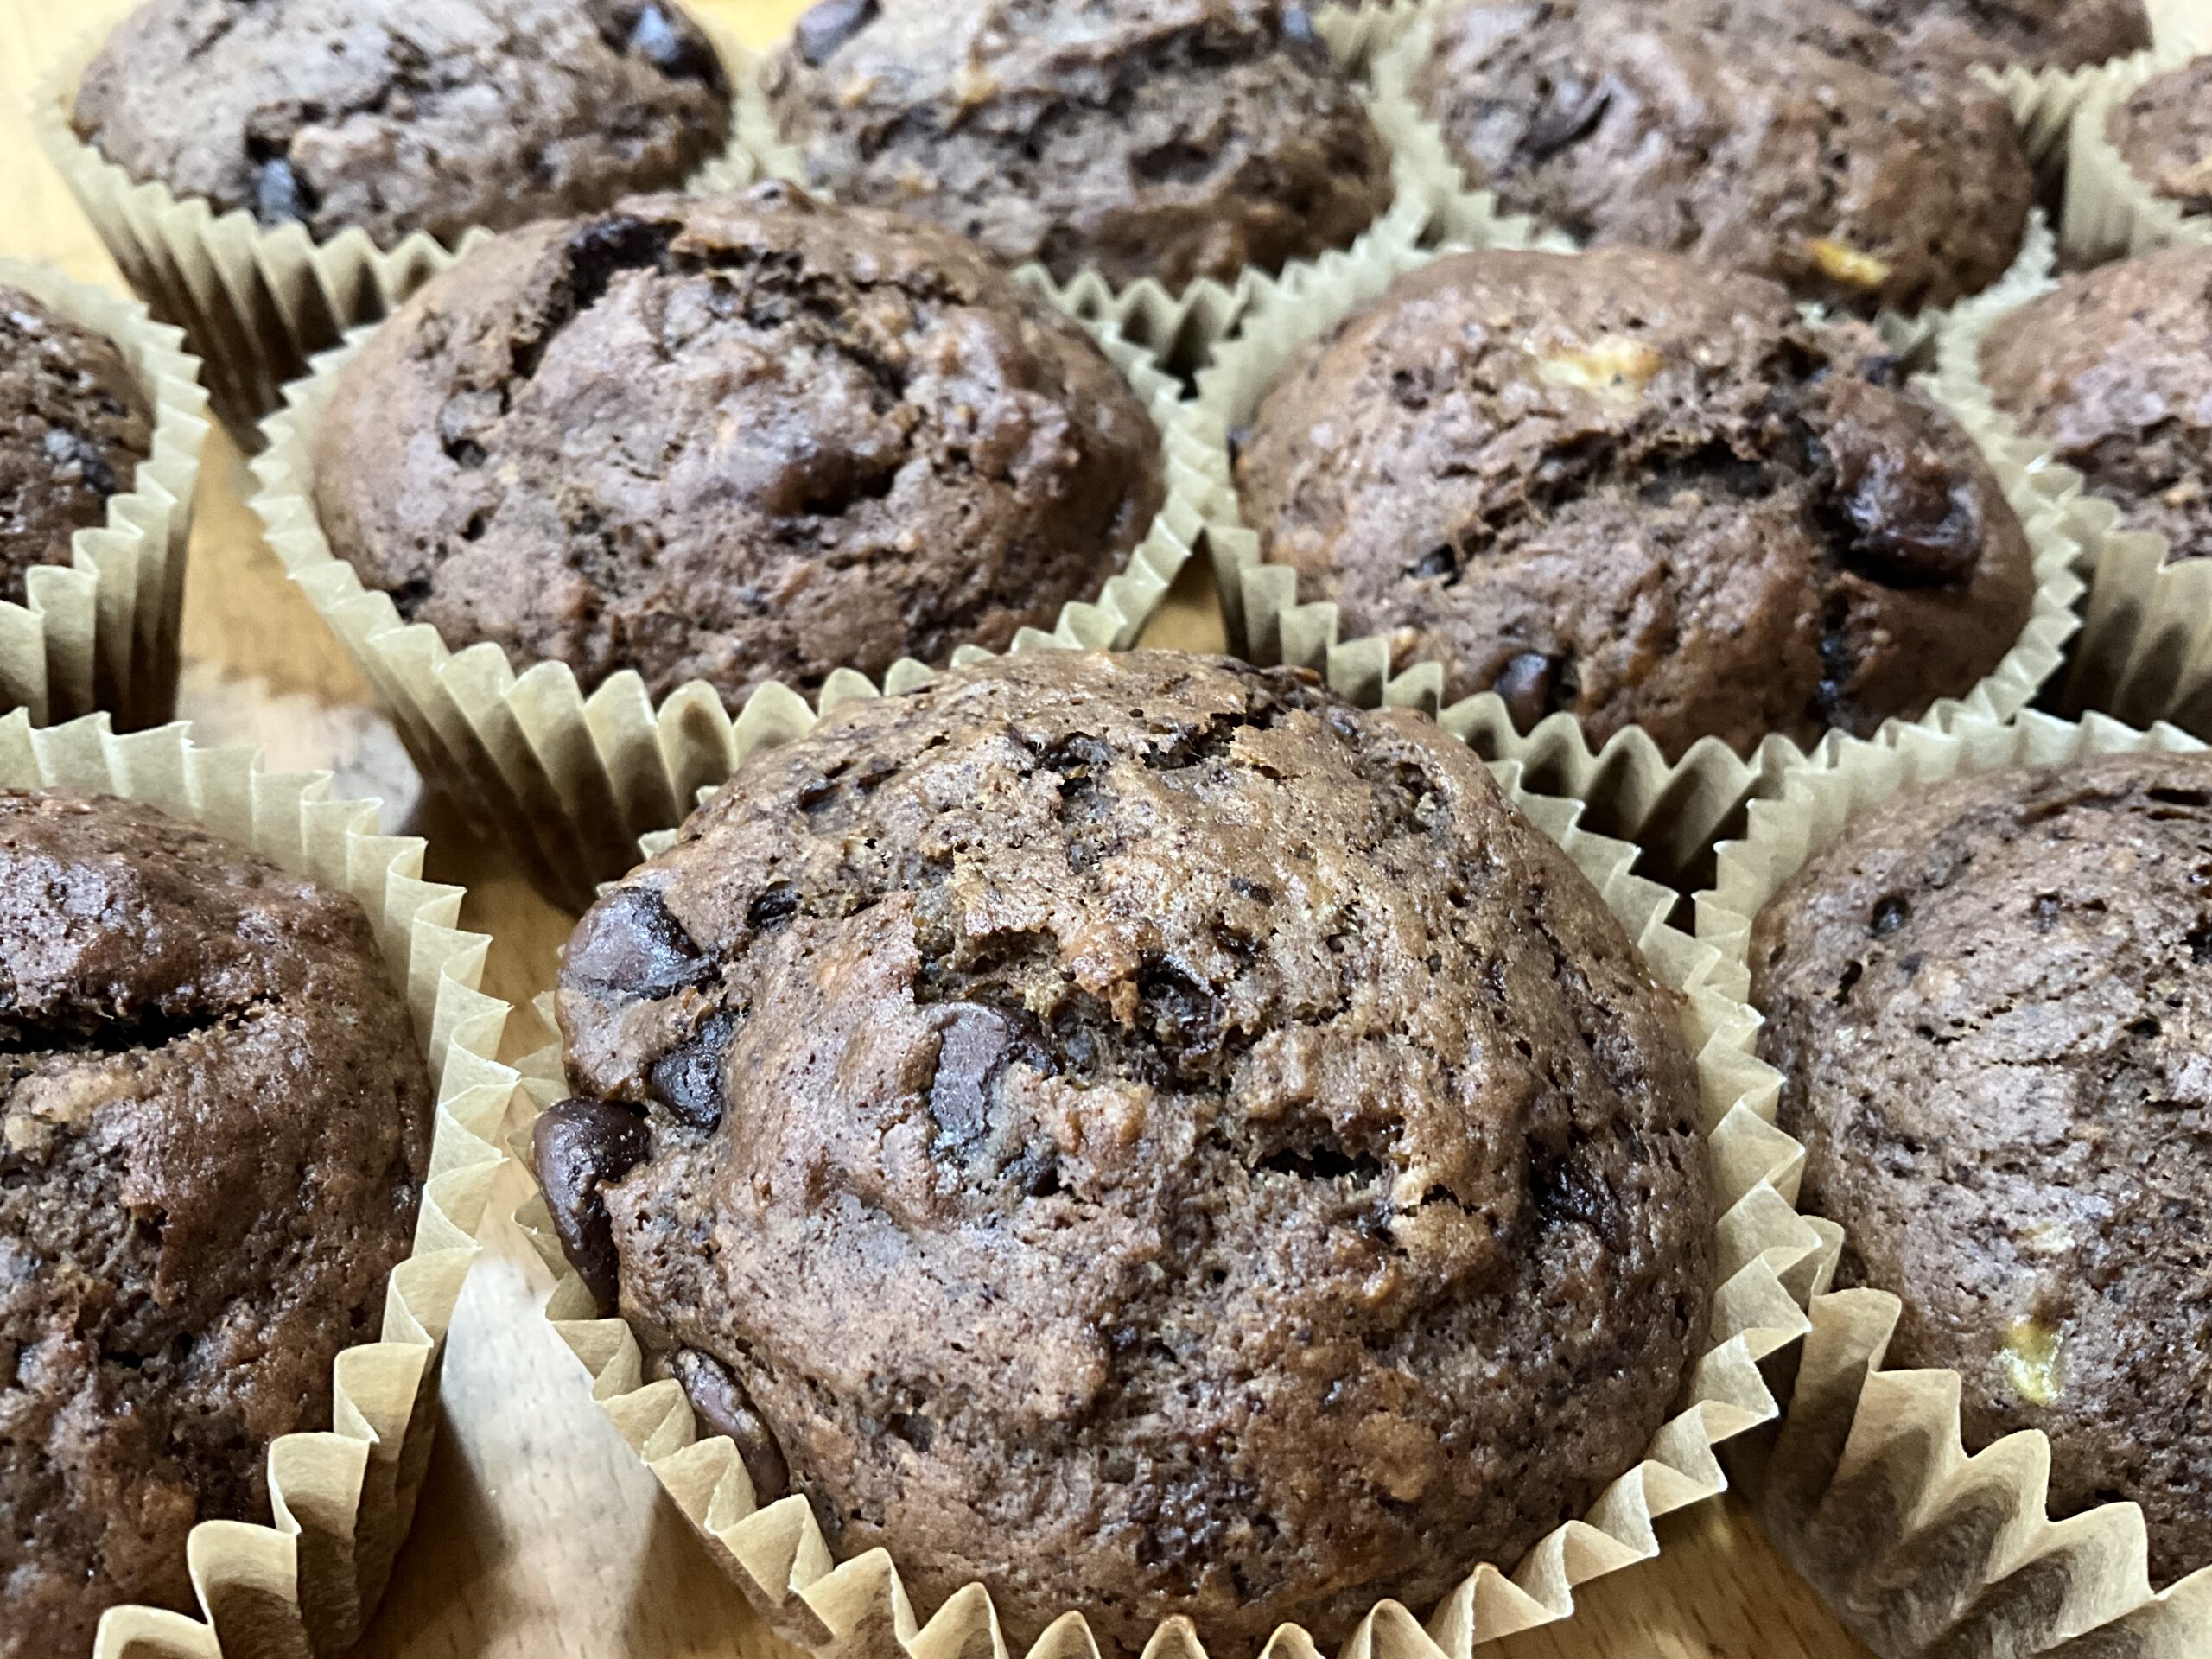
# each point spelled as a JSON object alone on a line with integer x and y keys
{"x": 772, "y": 909}
{"x": 67, "y": 449}
{"x": 827, "y": 25}
{"x": 579, "y": 1146}
{"x": 279, "y": 197}
{"x": 1526, "y": 683}
{"x": 719, "y": 1401}
{"x": 1909, "y": 519}
{"x": 629, "y": 942}
{"x": 975, "y": 1045}
{"x": 1891, "y": 913}
{"x": 673, "y": 51}
{"x": 1298, "y": 27}
{"x": 1239, "y": 438}
{"x": 1574, "y": 110}
{"x": 1441, "y": 562}
{"x": 689, "y": 1080}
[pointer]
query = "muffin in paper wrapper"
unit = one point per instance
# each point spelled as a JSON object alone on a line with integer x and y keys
{"x": 2146, "y": 648}
{"x": 257, "y": 303}
{"x": 570, "y": 781}
{"x": 1770, "y": 1263}
{"x": 1674, "y": 811}
{"x": 100, "y": 632}
{"x": 1866, "y": 1488}
{"x": 2110, "y": 212}
{"x": 341, "y": 1499}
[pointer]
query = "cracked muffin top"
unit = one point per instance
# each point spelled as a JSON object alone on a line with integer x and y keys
{"x": 1990, "y": 1002}
{"x": 1790, "y": 138}
{"x": 2113, "y": 368}
{"x": 392, "y": 117}
{"x": 1274, "y": 1178}
{"x": 735, "y": 438}
{"x": 75, "y": 424}
{"x": 2038, "y": 34}
{"x": 214, "y": 1129}
{"x": 2163, "y": 131}
{"x": 1621, "y": 486}
{"x": 1167, "y": 138}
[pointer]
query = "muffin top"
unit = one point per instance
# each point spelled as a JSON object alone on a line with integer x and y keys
{"x": 2163, "y": 131}
{"x": 214, "y": 1136}
{"x": 1786, "y": 138}
{"x": 2113, "y": 368}
{"x": 735, "y": 439}
{"x": 75, "y": 424}
{"x": 2038, "y": 34}
{"x": 394, "y": 117}
{"x": 1989, "y": 1004}
{"x": 1621, "y": 485}
{"x": 1274, "y": 1178}
{"x": 1166, "y": 138}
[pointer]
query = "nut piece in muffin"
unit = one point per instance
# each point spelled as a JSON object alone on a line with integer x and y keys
{"x": 736, "y": 439}
{"x": 2037, "y": 33}
{"x": 2163, "y": 131}
{"x": 1787, "y": 138}
{"x": 1989, "y": 1003}
{"x": 2113, "y": 369}
{"x": 75, "y": 424}
{"x": 1167, "y": 138}
{"x": 1620, "y": 485}
{"x": 215, "y": 1130}
{"x": 393, "y": 116}
{"x": 1272, "y": 1176}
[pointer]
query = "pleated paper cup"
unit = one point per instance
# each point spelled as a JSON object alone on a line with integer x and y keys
{"x": 342, "y": 1499}
{"x": 257, "y": 303}
{"x": 1771, "y": 1263}
{"x": 1177, "y": 328}
{"x": 2110, "y": 211}
{"x": 100, "y": 632}
{"x": 1867, "y": 1487}
{"x": 1674, "y": 810}
{"x": 570, "y": 781}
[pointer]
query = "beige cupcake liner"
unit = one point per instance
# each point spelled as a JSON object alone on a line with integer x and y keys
{"x": 2110, "y": 213}
{"x": 1771, "y": 1263}
{"x": 1867, "y": 1489}
{"x": 342, "y": 1499}
{"x": 257, "y": 304}
{"x": 569, "y": 781}
{"x": 101, "y": 631}
{"x": 1674, "y": 811}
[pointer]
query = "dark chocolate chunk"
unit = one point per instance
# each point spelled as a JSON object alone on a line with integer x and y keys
{"x": 629, "y": 940}
{"x": 689, "y": 1080}
{"x": 719, "y": 1401}
{"x": 279, "y": 197}
{"x": 1526, "y": 684}
{"x": 828, "y": 24}
{"x": 580, "y": 1147}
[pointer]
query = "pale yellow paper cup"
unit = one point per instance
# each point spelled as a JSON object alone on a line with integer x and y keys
{"x": 100, "y": 632}
{"x": 342, "y": 1499}
{"x": 1867, "y": 1489}
{"x": 1770, "y": 1263}
{"x": 2110, "y": 212}
{"x": 257, "y": 304}
{"x": 1672, "y": 811}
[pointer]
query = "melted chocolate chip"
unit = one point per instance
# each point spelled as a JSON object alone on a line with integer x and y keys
{"x": 720, "y": 1402}
{"x": 975, "y": 1045}
{"x": 675, "y": 52}
{"x": 279, "y": 195}
{"x": 827, "y": 25}
{"x": 579, "y": 1148}
{"x": 1526, "y": 683}
{"x": 1298, "y": 27}
{"x": 629, "y": 942}
{"x": 1573, "y": 113}
{"x": 1909, "y": 520}
{"x": 67, "y": 449}
{"x": 689, "y": 1080}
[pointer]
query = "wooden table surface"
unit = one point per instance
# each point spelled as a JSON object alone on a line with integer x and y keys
{"x": 539, "y": 1534}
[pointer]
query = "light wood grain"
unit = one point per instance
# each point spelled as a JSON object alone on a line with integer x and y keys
{"x": 539, "y": 1535}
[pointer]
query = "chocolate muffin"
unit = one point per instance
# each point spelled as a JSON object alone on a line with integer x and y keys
{"x": 1787, "y": 138}
{"x": 1622, "y": 486}
{"x": 2038, "y": 34}
{"x": 1989, "y": 1004}
{"x": 214, "y": 1137}
{"x": 392, "y": 117}
{"x": 2164, "y": 132}
{"x": 736, "y": 439}
{"x": 1167, "y": 138}
{"x": 1273, "y": 1177}
{"x": 75, "y": 424}
{"x": 2114, "y": 368}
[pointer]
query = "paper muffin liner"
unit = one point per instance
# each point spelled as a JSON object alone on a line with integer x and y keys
{"x": 2110, "y": 212}
{"x": 341, "y": 1499}
{"x": 1771, "y": 1263}
{"x": 1177, "y": 328}
{"x": 100, "y": 632}
{"x": 1867, "y": 1487}
{"x": 256, "y": 303}
{"x": 570, "y": 781}
{"x": 1674, "y": 811}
